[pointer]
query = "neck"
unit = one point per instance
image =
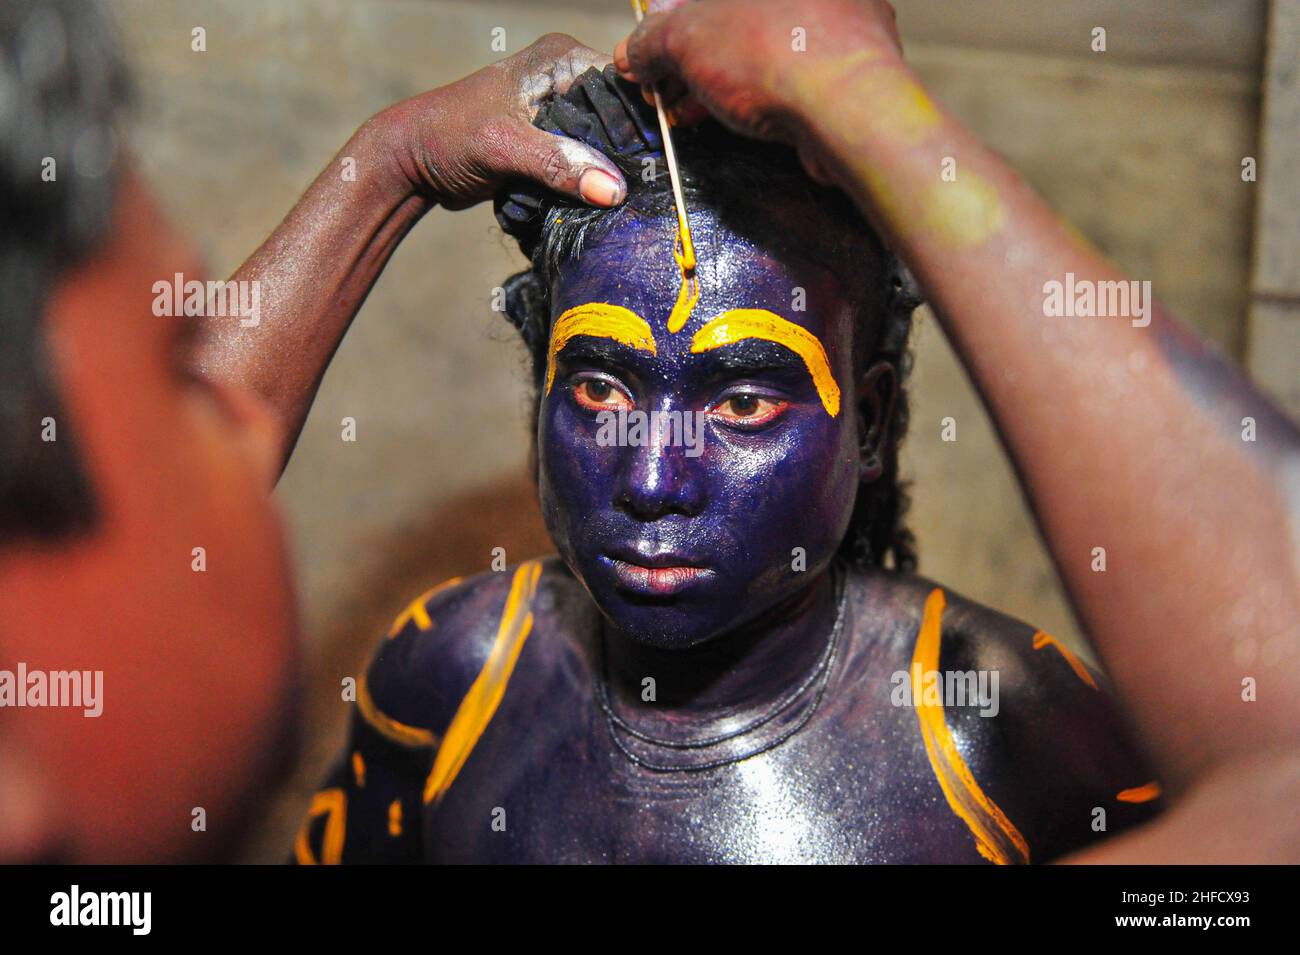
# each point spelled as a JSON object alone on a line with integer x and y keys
{"x": 731, "y": 676}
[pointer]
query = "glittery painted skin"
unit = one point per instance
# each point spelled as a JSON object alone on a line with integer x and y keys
{"x": 545, "y": 781}
{"x": 741, "y": 507}
{"x": 853, "y": 785}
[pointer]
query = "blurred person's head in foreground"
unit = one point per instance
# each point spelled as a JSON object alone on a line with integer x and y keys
{"x": 117, "y": 464}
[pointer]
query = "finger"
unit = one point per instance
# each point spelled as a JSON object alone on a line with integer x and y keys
{"x": 642, "y": 56}
{"x": 688, "y": 111}
{"x": 558, "y": 162}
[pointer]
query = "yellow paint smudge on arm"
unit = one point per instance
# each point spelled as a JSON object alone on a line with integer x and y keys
{"x": 599, "y": 320}
{"x": 742, "y": 323}
{"x": 960, "y": 214}
{"x": 996, "y": 838}
{"x": 876, "y": 94}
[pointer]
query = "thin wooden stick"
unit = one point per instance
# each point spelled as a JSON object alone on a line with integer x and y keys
{"x": 683, "y": 226}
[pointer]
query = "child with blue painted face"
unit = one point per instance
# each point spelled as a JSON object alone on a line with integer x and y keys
{"x": 731, "y": 659}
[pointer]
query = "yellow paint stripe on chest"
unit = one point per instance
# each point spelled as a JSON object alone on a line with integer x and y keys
{"x": 480, "y": 703}
{"x": 742, "y": 323}
{"x": 996, "y": 838}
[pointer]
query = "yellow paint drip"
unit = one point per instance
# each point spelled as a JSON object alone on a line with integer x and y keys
{"x": 742, "y": 323}
{"x": 480, "y": 703}
{"x": 996, "y": 838}
{"x": 600, "y": 320}
{"x": 689, "y": 293}
{"x": 395, "y": 818}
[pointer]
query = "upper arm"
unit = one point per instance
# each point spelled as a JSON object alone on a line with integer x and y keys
{"x": 369, "y": 806}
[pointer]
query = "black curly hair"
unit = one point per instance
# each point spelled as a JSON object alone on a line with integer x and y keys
{"x": 724, "y": 173}
{"x": 63, "y": 86}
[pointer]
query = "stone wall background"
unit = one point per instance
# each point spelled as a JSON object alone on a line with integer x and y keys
{"x": 1140, "y": 147}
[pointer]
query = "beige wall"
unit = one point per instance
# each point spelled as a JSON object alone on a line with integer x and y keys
{"x": 1140, "y": 147}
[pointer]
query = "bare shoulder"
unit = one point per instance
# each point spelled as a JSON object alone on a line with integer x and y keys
{"x": 1026, "y": 728}
{"x": 441, "y": 642}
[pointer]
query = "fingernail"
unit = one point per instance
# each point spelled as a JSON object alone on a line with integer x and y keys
{"x": 600, "y": 188}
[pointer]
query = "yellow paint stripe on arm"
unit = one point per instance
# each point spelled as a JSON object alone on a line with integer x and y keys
{"x": 480, "y": 703}
{"x": 1044, "y": 640}
{"x": 359, "y": 770}
{"x": 388, "y": 727}
{"x": 599, "y": 320}
{"x": 742, "y": 323}
{"x": 996, "y": 837}
{"x": 1144, "y": 793}
{"x": 332, "y": 803}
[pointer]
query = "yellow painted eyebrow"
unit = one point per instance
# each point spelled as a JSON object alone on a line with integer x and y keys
{"x": 741, "y": 323}
{"x": 601, "y": 321}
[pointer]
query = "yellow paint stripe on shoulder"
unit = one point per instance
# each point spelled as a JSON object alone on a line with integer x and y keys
{"x": 480, "y": 703}
{"x": 1044, "y": 640}
{"x": 416, "y": 609}
{"x": 996, "y": 838}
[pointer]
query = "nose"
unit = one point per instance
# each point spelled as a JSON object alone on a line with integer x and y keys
{"x": 664, "y": 474}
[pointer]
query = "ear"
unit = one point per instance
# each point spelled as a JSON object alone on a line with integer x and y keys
{"x": 877, "y": 392}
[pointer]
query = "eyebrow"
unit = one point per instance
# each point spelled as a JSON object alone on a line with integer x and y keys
{"x": 754, "y": 355}
{"x": 742, "y": 324}
{"x": 598, "y": 320}
{"x": 585, "y": 347}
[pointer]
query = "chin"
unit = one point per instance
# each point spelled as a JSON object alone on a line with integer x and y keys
{"x": 669, "y": 610}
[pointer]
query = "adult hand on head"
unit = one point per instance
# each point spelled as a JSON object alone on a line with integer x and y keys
{"x": 756, "y": 65}
{"x": 458, "y": 144}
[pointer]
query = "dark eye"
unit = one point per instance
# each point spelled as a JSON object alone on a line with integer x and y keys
{"x": 749, "y": 410}
{"x": 596, "y": 394}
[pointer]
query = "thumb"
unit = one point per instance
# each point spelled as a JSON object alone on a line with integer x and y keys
{"x": 565, "y": 165}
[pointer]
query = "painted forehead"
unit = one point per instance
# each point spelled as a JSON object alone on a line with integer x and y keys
{"x": 628, "y": 288}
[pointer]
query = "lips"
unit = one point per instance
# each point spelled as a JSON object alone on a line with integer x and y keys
{"x": 660, "y": 575}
